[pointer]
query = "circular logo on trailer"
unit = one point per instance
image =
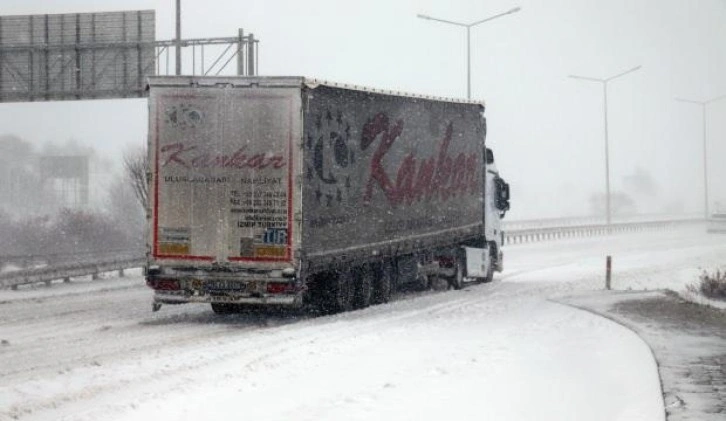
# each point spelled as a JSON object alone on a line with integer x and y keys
{"x": 183, "y": 116}
{"x": 333, "y": 157}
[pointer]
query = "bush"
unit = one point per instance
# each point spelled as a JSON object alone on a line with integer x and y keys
{"x": 68, "y": 232}
{"x": 711, "y": 285}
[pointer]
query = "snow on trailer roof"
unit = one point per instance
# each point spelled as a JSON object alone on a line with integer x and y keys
{"x": 315, "y": 82}
{"x": 292, "y": 81}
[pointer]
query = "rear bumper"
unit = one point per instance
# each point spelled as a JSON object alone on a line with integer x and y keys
{"x": 286, "y": 300}
{"x": 229, "y": 288}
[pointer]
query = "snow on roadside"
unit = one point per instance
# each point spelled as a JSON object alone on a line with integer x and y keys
{"x": 79, "y": 285}
{"x": 489, "y": 352}
{"x": 498, "y": 351}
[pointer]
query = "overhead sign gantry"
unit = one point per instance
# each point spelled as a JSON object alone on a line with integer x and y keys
{"x": 76, "y": 56}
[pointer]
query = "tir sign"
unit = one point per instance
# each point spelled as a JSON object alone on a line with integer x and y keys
{"x": 275, "y": 236}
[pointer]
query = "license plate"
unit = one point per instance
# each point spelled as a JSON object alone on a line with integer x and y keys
{"x": 223, "y": 285}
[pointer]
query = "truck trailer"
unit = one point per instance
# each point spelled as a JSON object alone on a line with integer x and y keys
{"x": 294, "y": 192}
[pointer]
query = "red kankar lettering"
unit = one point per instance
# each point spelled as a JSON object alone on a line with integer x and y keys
{"x": 183, "y": 155}
{"x": 440, "y": 176}
{"x": 371, "y": 130}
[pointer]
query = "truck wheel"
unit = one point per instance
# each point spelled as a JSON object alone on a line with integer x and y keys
{"x": 492, "y": 261}
{"x": 342, "y": 293}
{"x": 383, "y": 285}
{"x": 439, "y": 283}
{"x": 363, "y": 280}
{"x": 423, "y": 283}
{"x": 490, "y": 273}
{"x": 457, "y": 281}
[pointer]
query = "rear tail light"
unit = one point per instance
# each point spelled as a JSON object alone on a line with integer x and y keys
{"x": 279, "y": 287}
{"x": 163, "y": 284}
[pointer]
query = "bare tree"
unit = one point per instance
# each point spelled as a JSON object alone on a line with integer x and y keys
{"x": 136, "y": 164}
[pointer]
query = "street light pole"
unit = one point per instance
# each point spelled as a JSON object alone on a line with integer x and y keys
{"x": 608, "y": 207}
{"x": 468, "y": 62}
{"x": 703, "y": 105}
{"x": 608, "y": 203}
{"x": 178, "y": 37}
{"x": 468, "y": 27}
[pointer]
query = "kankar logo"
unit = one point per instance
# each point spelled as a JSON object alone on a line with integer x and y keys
{"x": 183, "y": 116}
{"x": 333, "y": 158}
{"x": 440, "y": 176}
{"x": 190, "y": 156}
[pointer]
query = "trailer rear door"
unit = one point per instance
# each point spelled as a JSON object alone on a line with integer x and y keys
{"x": 222, "y": 163}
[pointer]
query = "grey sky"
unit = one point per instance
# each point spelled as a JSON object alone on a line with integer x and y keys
{"x": 545, "y": 128}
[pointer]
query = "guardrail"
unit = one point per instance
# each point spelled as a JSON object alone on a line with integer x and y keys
{"x": 95, "y": 264}
{"x": 520, "y": 224}
{"x": 517, "y": 236}
{"x": 25, "y": 261}
{"x": 66, "y": 271}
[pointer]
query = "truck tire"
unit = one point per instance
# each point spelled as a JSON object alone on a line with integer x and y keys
{"x": 490, "y": 273}
{"x": 493, "y": 255}
{"x": 363, "y": 285}
{"x": 342, "y": 292}
{"x": 383, "y": 284}
{"x": 423, "y": 283}
{"x": 457, "y": 281}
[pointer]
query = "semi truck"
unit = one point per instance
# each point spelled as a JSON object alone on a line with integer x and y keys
{"x": 295, "y": 192}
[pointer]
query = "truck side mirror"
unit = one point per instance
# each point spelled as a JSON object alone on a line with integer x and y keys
{"x": 490, "y": 156}
{"x": 502, "y": 199}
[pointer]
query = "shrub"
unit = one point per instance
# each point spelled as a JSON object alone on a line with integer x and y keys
{"x": 711, "y": 285}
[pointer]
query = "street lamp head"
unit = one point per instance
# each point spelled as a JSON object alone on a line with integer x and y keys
{"x": 427, "y": 17}
{"x": 515, "y": 10}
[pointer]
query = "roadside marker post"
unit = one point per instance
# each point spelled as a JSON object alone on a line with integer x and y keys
{"x": 608, "y": 271}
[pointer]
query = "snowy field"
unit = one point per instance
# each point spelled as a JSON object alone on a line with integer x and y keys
{"x": 501, "y": 351}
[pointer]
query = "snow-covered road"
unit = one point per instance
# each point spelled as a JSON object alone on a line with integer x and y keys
{"x": 89, "y": 351}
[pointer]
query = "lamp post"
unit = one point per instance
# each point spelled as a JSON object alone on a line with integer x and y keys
{"x": 177, "y": 42}
{"x": 604, "y": 82}
{"x": 703, "y": 105}
{"x": 468, "y": 27}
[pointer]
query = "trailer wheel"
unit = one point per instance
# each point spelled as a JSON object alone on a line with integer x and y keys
{"x": 342, "y": 292}
{"x": 383, "y": 285}
{"x": 363, "y": 280}
{"x": 423, "y": 283}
